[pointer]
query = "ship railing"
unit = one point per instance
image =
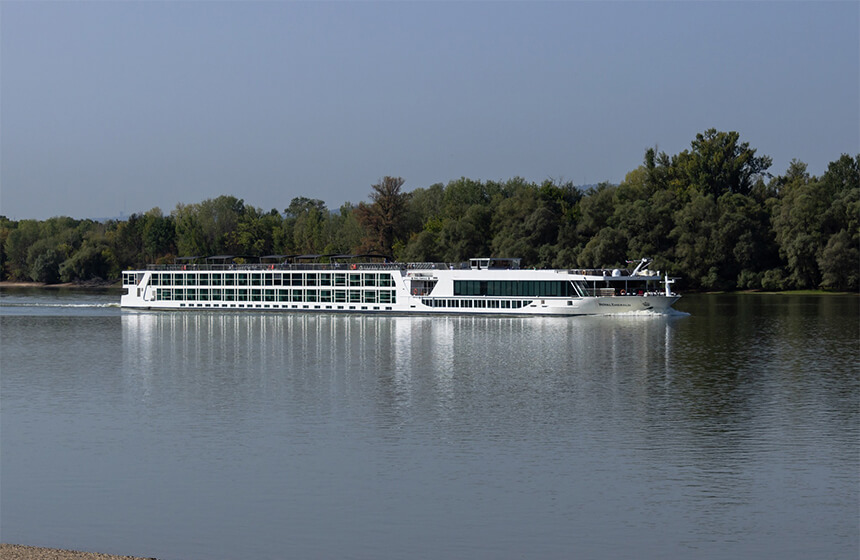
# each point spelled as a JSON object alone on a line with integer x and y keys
{"x": 607, "y": 273}
{"x": 303, "y": 266}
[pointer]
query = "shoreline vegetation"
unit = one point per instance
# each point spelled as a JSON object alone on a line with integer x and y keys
{"x": 22, "y": 552}
{"x": 713, "y": 216}
{"x": 96, "y": 285}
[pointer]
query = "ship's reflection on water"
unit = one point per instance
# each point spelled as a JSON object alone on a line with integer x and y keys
{"x": 444, "y": 358}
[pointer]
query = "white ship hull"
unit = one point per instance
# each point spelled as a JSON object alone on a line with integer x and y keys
{"x": 395, "y": 288}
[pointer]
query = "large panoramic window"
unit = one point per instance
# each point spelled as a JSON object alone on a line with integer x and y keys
{"x": 547, "y": 288}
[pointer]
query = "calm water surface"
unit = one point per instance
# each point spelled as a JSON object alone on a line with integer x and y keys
{"x": 727, "y": 431}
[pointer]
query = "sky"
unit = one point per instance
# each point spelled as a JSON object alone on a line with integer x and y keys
{"x": 111, "y": 108}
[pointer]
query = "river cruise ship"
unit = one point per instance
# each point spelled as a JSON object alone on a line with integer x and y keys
{"x": 371, "y": 284}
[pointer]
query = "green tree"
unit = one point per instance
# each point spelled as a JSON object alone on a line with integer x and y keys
{"x": 718, "y": 163}
{"x": 6, "y": 227}
{"x": 606, "y": 249}
{"x": 384, "y": 219}
{"x": 159, "y": 235}
{"x": 839, "y": 259}
{"x": 45, "y": 262}
{"x": 797, "y": 222}
{"x": 306, "y": 219}
{"x": 595, "y": 210}
{"x": 17, "y": 245}
{"x": 207, "y": 228}
{"x": 696, "y": 255}
{"x": 839, "y": 262}
{"x": 342, "y": 231}
{"x": 255, "y": 232}
{"x": 93, "y": 261}
{"x": 468, "y": 236}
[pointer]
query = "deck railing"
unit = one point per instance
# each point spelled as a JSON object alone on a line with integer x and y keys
{"x": 345, "y": 267}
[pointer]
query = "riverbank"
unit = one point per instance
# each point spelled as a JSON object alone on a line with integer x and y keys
{"x": 91, "y": 285}
{"x": 20, "y": 552}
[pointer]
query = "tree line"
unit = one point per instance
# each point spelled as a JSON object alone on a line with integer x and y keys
{"x": 712, "y": 214}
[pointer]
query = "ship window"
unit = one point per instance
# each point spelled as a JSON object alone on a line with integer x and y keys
{"x": 370, "y": 279}
{"x": 217, "y": 279}
{"x": 310, "y": 295}
{"x": 355, "y": 279}
{"x": 256, "y": 295}
{"x": 268, "y": 279}
{"x": 270, "y": 295}
{"x": 354, "y": 296}
{"x": 256, "y": 279}
{"x": 340, "y": 279}
{"x": 325, "y": 295}
{"x": 325, "y": 279}
{"x": 216, "y": 294}
{"x": 311, "y": 279}
{"x": 283, "y": 295}
{"x": 242, "y": 279}
{"x": 230, "y": 294}
{"x": 297, "y": 295}
{"x": 555, "y": 288}
{"x": 369, "y": 296}
{"x": 340, "y": 295}
{"x": 204, "y": 279}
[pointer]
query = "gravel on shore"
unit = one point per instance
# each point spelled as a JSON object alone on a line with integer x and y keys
{"x": 20, "y": 552}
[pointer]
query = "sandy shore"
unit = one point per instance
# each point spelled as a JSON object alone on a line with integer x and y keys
{"x": 19, "y": 552}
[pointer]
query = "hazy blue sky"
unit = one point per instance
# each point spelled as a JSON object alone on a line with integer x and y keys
{"x": 116, "y": 107}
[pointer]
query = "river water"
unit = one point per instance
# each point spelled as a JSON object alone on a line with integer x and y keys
{"x": 727, "y": 430}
